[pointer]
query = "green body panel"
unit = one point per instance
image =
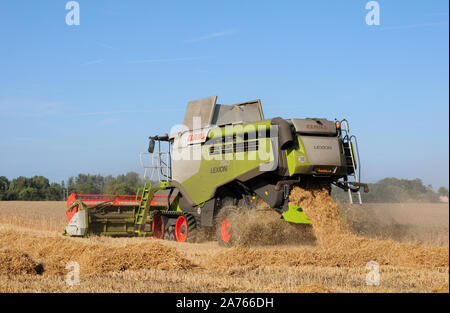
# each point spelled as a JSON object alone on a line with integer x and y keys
{"x": 219, "y": 169}
{"x": 297, "y": 158}
{"x": 295, "y": 215}
{"x": 176, "y": 207}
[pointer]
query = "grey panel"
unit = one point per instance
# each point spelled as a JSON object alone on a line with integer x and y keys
{"x": 285, "y": 137}
{"x": 183, "y": 169}
{"x": 322, "y": 150}
{"x": 319, "y": 126}
{"x": 246, "y": 112}
{"x": 202, "y": 109}
{"x": 77, "y": 225}
{"x": 186, "y": 158}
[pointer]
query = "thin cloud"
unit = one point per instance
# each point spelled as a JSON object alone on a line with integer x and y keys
{"x": 211, "y": 36}
{"x": 162, "y": 60}
{"x": 27, "y": 107}
{"x": 99, "y": 61}
{"x": 112, "y": 112}
{"x": 413, "y": 26}
{"x": 126, "y": 112}
{"x": 104, "y": 45}
{"x": 437, "y": 14}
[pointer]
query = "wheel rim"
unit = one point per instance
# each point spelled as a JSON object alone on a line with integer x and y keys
{"x": 158, "y": 227}
{"x": 181, "y": 229}
{"x": 225, "y": 230}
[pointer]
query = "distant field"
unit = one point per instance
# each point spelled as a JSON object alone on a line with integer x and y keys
{"x": 40, "y": 215}
{"x": 423, "y": 214}
{"x": 426, "y": 223}
{"x": 33, "y": 254}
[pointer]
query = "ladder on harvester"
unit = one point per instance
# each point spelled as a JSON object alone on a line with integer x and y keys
{"x": 159, "y": 178}
{"x": 350, "y": 149}
{"x": 148, "y": 192}
{"x": 144, "y": 207}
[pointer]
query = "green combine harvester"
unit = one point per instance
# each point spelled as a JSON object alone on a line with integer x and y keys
{"x": 224, "y": 159}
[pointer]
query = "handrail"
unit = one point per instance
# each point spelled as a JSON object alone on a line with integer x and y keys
{"x": 357, "y": 155}
{"x": 356, "y": 173}
{"x": 160, "y": 166}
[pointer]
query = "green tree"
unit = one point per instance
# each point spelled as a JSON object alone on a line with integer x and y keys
{"x": 16, "y": 186}
{"x": 39, "y": 182}
{"x": 394, "y": 190}
{"x": 70, "y": 182}
{"x": 28, "y": 189}
{"x": 85, "y": 189}
{"x": 116, "y": 188}
{"x": 29, "y": 194}
{"x": 443, "y": 192}
{"x": 54, "y": 192}
{"x": 4, "y": 186}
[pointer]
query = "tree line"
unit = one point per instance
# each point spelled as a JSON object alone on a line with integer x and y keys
{"x": 396, "y": 190}
{"x": 39, "y": 188}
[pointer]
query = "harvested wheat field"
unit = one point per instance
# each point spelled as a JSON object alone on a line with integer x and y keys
{"x": 271, "y": 256}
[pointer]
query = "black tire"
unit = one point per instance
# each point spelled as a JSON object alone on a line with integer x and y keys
{"x": 158, "y": 226}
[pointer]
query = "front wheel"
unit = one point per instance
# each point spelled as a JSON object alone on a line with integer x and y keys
{"x": 224, "y": 226}
{"x": 183, "y": 227}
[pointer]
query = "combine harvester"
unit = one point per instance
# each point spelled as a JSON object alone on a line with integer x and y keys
{"x": 224, "y": 159}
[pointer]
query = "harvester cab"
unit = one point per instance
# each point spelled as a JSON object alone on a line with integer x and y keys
{"x": 226, "y": 158}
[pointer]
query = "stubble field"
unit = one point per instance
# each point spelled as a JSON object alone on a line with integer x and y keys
{"x": 408, "y": 241}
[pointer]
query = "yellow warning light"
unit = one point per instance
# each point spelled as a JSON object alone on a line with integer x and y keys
{"x": 323, "y": 170}
{"x": 266, "y": 193}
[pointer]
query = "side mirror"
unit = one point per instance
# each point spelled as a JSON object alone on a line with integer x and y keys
{"x": 151, "y": 146}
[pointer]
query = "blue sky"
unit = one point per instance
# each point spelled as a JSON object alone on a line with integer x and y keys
{"x": 84, "y": 99}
